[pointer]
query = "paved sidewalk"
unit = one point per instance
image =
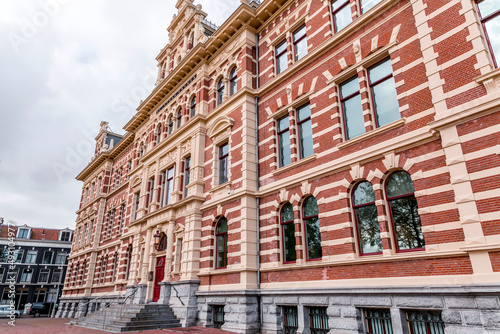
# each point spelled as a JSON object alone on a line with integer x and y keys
{"x": 31, "y": 325}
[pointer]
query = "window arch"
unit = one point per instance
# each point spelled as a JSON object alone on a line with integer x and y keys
{"x": 170, "y": 125}
{"x": 288, "y": 233}
{"x": 403, "y": 206}
{"x": 221, "y": 243}
{"x": 233, "y": 82}
{"x": 158, "y": 134}
{"x": 192, "y": 106}
{"x": 365, "y": 213}
{"x": 311, "y": 221}
{"x": 179, "y": 118}
{"x": 220, "y": 91}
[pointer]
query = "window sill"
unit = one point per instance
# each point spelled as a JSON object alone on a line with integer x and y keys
{"x": 219, "y": 187}
{"x": 295, "y": 164}
{"x": 373, "y": 133}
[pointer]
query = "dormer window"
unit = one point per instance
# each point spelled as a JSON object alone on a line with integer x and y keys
{"x": 65, "y": 236}
{"x": 23, "y": 233}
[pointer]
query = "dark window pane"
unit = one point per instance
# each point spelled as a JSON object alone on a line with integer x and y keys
{"x": 313, "y": 238}
{"x": 368, "y": 229}
{"x": 284, "y": 141}
{"x": 311, "y": 207}
{"x": 363, "y": 193}
{"x": 289, "y": 253}
{"x": 222, "y": 226}
{"x": 221, "y": 251}
{"x": 406, "y": 219}
{"x": 306, "y": 140}
{"x": 281, "y": 47}
{"x": 290, "y": 319}
{"x": 399, "y": 183}
{"x": 378, "y": 321}
{"x": 287, "y": 213}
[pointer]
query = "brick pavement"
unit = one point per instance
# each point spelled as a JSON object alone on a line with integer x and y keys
{"x": 31, "y": 325}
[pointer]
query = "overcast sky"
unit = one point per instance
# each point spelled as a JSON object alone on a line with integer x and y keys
{"x": 65, "y": 65}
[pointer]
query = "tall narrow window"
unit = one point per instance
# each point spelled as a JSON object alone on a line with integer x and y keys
{"x": 281, "y": 57}
{"x": 30, "y": 257}
{"x": 179, "y": 118}
{"x": 193, "y": 106}
{"x": 290, "y": 319}
{"x": 404, "y": 211}
{"x": 220, "y": 92}
{"x": 151, "y": 188}
{"x": 489, "y": 11}
{"x": 341, "y": 11}
{"x": 158, "y": 134}
{"x": 223, "y": 163}
{"x": 218, "y": 316}
{"x": 284, "y": 141}
{"x": 136, "y": 205}
{"x": 121, "y": 219}
{"x": 368, "y": 4}
{"x": 378, "y": 321}
{"x": 350, "y": 99}
{"x": 383, "y": 87}
{"x": 233, "y": 82}
{"x": 305, "y": 131}
{"x": 91, "y": 227}
{"x": 313, "y": 235}
{"x": 288, "y": 233}
{"x": 26, "y": 275}
{"x": 43, "y": 277}
{"x": 300, "y": 43}
{"x": 170, "y": 125}
{"x": 187, "y": 175}
{"x": 168, "y": 186}
{"x": 47, "y": 257}
{"x": 221, "y": 240}
{"x": 129, "y": 262}
{"x": 365, "y": 211}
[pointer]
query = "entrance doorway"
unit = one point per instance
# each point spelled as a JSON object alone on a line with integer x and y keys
{"x": 159, "y": 274}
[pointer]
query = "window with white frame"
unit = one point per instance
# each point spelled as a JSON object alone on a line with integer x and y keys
{"x": 341, "y": 11}
{"x": 233, "y": 82}
{"x": 61, "y": 258}
{"x": 167, "y": 186}
{"x": 43, "y": 277}
{"x": 281, "y": 56}
{"x": 489, "y": 13}
{"x": 31, "y": 256}
{"x": 65, "y": 236}
{"x": 23, "y": 233}
{"x": 26, "y": 275}
{"x": 300, "y": 43}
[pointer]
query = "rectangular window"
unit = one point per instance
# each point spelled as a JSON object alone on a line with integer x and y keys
{"x": 149, "y": 195}
{"x": 111, "y": 223}
{"x": 4, "y": 254}
{"x": 43, "y": 277}
{"x": 383, "y": 88}
{"x": 23, "y": 233}
{"x": 285, "y": 152}
{"x": 56, "y": 276}
{"x": 65, "y": 236}
{"x": 2, "y": 271}
{"x": 427, "y": 322}
{"x": 305, "y": 131}
{"x": 489, "y": 11}
{"x": 281, "y": 57}
{"x": 300, "y": 43}
{"x": 318, "y": 320}
{"x": 290, "y": 319}
{"x": 352, "y": 108}
{"x": 47, "y": 257}
{"x": 121, "y": 219}
{"x": 167, "y": 186}
{"x": 187, "y": 175}
{"x": 368, "y": 4}
{"x": 223, "y": 163}
{"x": 18, "y": 255}
{"x": 26, "y": 275}
{"x": 31, "y": 256}
{"x": 378, "y": 321}
{"x": 342, "y": 16}
{"x": 40, "y": 295}
{"x": 218, "y": 316}
{"x": 61, "y": 258}
{"x": 91, "y": 227}
{"x": 136, "y": 205}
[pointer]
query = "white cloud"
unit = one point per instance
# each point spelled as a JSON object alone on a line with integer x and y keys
{"x": 66, "y": 65}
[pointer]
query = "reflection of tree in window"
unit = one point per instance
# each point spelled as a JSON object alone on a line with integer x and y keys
{"x": 404, "y": 211}
{"x": 313, "y": 234}
{"x": 363, "y": 199}
{"x": 221, "y": 247}
{"x": 288, "y": 231}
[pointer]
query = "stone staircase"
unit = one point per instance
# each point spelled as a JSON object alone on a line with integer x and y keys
{"x": 129, "y": 317}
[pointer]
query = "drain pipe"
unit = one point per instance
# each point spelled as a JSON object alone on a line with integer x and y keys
{"x": 257, "y": 85}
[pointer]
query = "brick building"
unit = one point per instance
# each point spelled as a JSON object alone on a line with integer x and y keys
{"x": 37, "y": 264}
{"x": 309, "y": 165}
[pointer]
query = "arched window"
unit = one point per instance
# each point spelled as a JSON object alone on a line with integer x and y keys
{"x": 179, "y": 118}
{"x": 192, "y": 106}
{"x": 404, "y": 211}
{"x": 288, "y": 233}
{"x": 220, "y": 92}
{"x": 170, "y": 125}
{"x": 365, "y": 212}
{"x": 158, "y": 134}
{"x": 313, "y": 234}
{"x": 233, "y": 79}
{"x": 221, "y": 240}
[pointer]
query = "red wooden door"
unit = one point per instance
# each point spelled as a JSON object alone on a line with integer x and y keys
{"x": 159, "y": 273}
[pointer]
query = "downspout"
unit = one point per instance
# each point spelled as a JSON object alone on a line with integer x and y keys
{"x": 259, "y": 300}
